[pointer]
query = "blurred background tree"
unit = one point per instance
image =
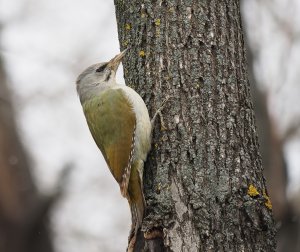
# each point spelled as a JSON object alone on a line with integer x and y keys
{"x": 23, "y": 213}
{"x": 272, "y": 29}
{"x": 45, "y": 44}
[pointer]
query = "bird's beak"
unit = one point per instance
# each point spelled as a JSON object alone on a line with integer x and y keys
{"x": 115, "y": 62}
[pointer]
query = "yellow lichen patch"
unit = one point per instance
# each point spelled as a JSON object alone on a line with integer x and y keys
{"x": 125, "y": 43}
{"x": 157, "y": 22}
{"x": 156, "y": 145}
{"x": 127, "y": 27}
{"x": 252, "y": 191}
{"x": 268, "y": 202}
{"x": 142, "y": 53}
{"x": 163, "y": 128}
{"x": 158, "y": 188}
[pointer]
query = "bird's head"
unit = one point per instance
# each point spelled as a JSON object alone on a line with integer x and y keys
{"x": 99, "y": 75}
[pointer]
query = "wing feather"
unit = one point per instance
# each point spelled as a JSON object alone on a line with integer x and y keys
{"x": 112, "y": 122}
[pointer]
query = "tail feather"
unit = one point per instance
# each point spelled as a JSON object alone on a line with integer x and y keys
{"x": 137, "y": 213}
{"x": 136, "y": 196}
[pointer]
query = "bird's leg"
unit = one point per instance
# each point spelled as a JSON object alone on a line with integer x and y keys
{"x": 158, "y": 112}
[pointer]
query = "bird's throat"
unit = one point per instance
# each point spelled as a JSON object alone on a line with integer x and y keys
{"x": 91, "y": 91}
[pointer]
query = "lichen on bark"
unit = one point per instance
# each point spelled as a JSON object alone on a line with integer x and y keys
{"x": 201, "y": 166}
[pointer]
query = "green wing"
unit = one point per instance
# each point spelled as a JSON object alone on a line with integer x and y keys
{"x": 111, "y": 120}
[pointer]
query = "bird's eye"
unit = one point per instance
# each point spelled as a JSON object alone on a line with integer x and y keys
{"x": 101, "y": 68}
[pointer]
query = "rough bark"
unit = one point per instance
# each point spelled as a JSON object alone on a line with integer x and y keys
{"x": 204, "y": 184}
{"x": 23, "y": 214}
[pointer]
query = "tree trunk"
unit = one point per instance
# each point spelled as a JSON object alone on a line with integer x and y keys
{"x": 23, "y": 214}
{"x": 204, "y": 185}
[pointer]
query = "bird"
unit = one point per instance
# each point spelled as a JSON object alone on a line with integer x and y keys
{"x": 119, "y": 122}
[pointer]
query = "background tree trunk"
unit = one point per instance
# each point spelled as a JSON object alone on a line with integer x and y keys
{"x": 23, "y": 214}
{"x": 272, "y": 143}
{"x": 203, "y": 180}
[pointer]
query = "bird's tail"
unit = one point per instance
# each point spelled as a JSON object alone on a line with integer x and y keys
{"x": 136, "y": 196}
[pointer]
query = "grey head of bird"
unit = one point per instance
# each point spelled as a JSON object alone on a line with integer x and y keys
{"x": 98, "y": 77}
